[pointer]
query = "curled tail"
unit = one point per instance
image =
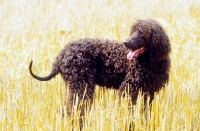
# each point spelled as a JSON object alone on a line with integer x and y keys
{"x": 53, "y": 73}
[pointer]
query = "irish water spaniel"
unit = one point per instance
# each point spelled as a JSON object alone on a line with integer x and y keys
{"x": 141, "y": 62}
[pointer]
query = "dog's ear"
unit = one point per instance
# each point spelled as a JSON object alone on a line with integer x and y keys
{"x": 159, "y": 44}
{"x": 152, "y": 43}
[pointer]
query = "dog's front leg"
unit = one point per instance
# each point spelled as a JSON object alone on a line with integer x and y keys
{"x": 127, "y": 88}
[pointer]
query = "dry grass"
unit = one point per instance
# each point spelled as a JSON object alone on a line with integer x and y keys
{"x": 38, "y": 30}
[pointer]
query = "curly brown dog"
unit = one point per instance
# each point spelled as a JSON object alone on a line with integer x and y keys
{"x": 143, "y": 63}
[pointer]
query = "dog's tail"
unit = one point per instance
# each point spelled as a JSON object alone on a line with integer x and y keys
{"x": 53, "y": 73}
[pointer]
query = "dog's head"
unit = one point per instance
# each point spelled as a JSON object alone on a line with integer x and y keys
{"x": 137, "y": 44}
{"x": 147, "y": 37}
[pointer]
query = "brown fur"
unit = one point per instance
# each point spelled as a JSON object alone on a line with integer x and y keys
{"x": 88, "y": 62}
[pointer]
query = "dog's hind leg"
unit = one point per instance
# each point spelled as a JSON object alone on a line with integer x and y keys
{"x": 83, "y": 89}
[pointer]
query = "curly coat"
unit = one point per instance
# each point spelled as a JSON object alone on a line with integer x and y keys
{"x": 143, "y": 63}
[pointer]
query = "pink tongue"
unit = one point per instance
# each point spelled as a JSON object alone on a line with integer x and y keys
{"x": 131, "y": 54}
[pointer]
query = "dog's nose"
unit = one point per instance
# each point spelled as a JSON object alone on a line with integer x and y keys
{"x": 125, "y": 42}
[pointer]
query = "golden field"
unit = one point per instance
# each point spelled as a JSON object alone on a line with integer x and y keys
{"x": 38, "y": 30}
